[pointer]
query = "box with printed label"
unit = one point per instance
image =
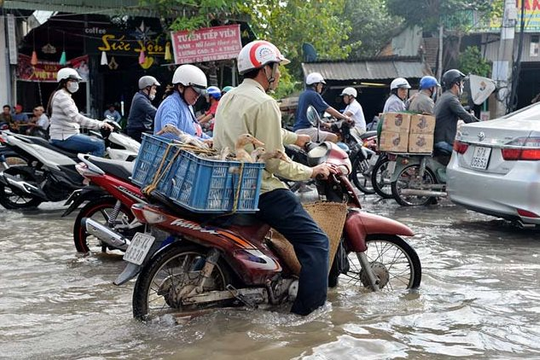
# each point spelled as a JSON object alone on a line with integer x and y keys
{"x": 422, "y": 124}
{"x": 396, "y": 122}
{"x": 394, "y": 141}
{"x": 420, "y": 143}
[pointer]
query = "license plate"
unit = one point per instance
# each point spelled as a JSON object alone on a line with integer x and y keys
{"x": 139, "y": 247}
{"x": 480, "y": 158}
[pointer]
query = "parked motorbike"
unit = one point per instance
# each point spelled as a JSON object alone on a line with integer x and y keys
{"x": 50, "y": 174}
{"x": 419, "y": 179}
{"x": 212, "y": 264}
{"x": 106, "y": 221}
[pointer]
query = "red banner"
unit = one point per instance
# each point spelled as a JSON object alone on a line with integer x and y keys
{"x": 45, "y": 71}
{"x": 209, "y": 44}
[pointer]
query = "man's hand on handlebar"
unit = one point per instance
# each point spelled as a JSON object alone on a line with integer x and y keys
{"x": 323, "y": 171}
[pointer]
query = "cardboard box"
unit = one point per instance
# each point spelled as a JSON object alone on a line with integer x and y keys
{"x": 394, "y": 141}
{"x": 396, "y": 122}
{"x": 422, "y": 124}
{"x": 420, "y": 143}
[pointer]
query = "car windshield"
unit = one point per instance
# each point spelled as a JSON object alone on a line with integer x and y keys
{"x": 531, "y": 112}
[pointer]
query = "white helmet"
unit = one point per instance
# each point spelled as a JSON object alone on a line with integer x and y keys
{"x": 257, "y": 54}
{"x": 68, "y": 74}
{"x": 147, "y": 81}
{"x": 400, "y": 83}
{"x": 349, "y": 91}
{"x": 314, "y": 78}
{"x": 190, "y": 75}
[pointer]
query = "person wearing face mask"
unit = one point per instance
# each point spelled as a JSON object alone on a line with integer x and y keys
{"x": 249, "y": 109}
{"x": 66, "y": 121}
{"x": 176, "y": 111}
{"x": 448, "y": 110}
{"x": 423, "y": 103}
{"x": 142, "y": 112}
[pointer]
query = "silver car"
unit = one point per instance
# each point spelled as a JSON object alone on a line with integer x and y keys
{"x": 495, "y": 167}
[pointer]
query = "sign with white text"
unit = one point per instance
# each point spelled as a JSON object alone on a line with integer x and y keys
{"x": 208, "y": 44}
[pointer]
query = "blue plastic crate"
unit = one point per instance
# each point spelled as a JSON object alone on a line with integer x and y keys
{"x": 149, "y": 158}
{"x": 200, "y": 184}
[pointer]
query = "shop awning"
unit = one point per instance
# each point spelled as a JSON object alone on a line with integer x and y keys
{"x": 104, "y": 7}
{"x": 372, "y": 69}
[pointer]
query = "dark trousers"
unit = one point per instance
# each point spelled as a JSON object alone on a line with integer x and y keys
{"x": 282, "y": 210}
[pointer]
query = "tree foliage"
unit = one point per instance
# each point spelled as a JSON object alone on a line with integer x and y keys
{"x": 287, "y": 24}
{"x": 372, "y": 26}
{"x": 471, "y": 62}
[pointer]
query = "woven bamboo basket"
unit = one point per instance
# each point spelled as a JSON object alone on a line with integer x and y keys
{"x": 330, "y": 217}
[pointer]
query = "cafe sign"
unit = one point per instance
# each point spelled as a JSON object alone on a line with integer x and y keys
{"x": 208, "y": 44}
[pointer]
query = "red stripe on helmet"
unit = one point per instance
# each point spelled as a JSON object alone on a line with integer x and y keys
{"x": 252, "y": 54}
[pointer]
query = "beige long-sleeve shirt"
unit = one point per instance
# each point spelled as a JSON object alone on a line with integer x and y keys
{"x": 66, "y": 120}
{"x": 248, "y": 109}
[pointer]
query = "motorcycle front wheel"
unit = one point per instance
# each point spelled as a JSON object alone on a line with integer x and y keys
{"x": 101, "y": 211}
{"x": 394, "y": 262}
{"x": 172, "y": 274}
{"x": 14, "y": 198}
{"x": 409, "y": 178}
{"x": 361, "y": 175}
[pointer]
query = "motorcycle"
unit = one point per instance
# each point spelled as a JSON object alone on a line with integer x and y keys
{"x": 203, "y": 263}
{"x": 105, "y": 222}
{"x": 419, "y": 179}
{"x": 50, "y": 173}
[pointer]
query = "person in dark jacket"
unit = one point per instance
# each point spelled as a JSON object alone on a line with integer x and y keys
{"x": 448, "y": 110}
{"x": 142, "y": 112}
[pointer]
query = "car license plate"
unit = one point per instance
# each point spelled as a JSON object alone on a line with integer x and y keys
{"x": 139, "y": 247}
{"x": 480, "y": 157}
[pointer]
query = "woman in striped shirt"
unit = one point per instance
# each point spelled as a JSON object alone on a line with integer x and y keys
{"x": 66, "y": 121}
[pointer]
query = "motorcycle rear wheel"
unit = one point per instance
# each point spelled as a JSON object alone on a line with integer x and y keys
{"x": 361, "y": 175}
{"x": 380, "y": 178}
{"x": 13, "y": 198}
{"x": 395, "y": 263}
{"x": 172, "y": 271}
{"x": 409, "y": 178}
{"x": 99, "y": 210}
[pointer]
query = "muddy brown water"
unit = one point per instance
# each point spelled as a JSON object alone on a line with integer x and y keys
{"x": 479, "y": 299}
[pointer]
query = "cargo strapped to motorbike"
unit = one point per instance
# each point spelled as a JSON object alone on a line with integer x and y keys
{"x": 200, "y": 184}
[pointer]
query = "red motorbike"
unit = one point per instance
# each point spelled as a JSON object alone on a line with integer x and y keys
{"x": 204, "y": 263}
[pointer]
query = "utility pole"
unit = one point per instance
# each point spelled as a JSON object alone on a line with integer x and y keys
{"x": 502, "y": 67}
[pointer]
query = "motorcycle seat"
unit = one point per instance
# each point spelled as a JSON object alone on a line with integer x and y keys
{"x": 368, "y": 134}
{"x": 45, "y": 143}
{"x": 119, "y": 168}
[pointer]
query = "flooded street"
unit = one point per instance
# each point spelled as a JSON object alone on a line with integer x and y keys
{"x": 479, "y": 298}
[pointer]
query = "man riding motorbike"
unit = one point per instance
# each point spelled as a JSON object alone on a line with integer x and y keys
{"x": 252, "y": 111}
{"x": 423, "y": 102}
{"x": 312, "y": 97}
{"x": 448, "y": 110}
{"x": 142, "y": 112}
{"x": 354, "y": 110}
{"x": 399, "y": 89}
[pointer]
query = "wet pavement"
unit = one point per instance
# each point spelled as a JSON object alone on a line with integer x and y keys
{"x": 479, "y": 299}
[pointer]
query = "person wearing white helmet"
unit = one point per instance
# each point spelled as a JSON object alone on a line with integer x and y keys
{"x": 396, "y": 102}
{"x": 354, "y": 111}
{"x": 142, "y": 112}
{"x": 176, "y": 111}
{"x": 248, "y": 109}
{"x": 312, "y": 97}
{"x": 66, "y": 121}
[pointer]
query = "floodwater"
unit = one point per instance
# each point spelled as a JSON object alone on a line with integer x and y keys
{"x": 479, "y": 299}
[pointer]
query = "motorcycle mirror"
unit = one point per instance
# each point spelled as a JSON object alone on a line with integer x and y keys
{"x": 313, "y": 116}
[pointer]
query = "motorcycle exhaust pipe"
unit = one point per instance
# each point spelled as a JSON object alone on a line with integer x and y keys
{"x": 13, "y": 182}
{"x": 105, "y": 234}
{"x": 423, "y": 192}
